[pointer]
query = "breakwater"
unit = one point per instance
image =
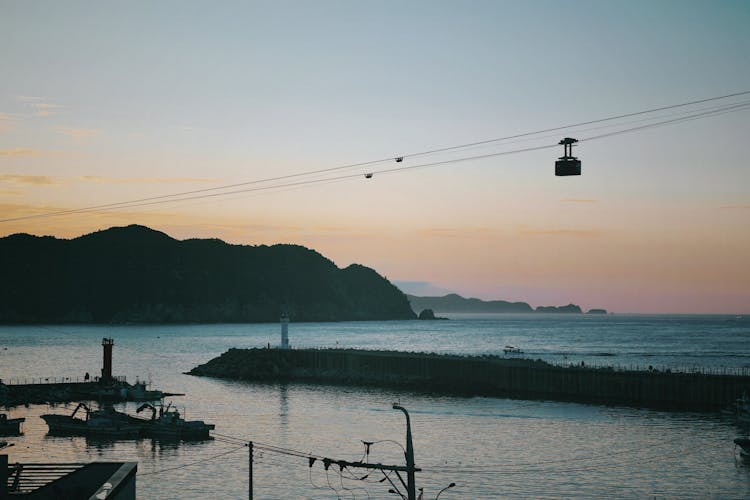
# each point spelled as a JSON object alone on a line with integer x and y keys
{"x": 480, "y": 375}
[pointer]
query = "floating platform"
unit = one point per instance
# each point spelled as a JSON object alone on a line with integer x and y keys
{"x": 479, "y": 375}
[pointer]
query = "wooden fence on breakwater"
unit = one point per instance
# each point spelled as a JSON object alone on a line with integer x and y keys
{"x": 480, "y": 375}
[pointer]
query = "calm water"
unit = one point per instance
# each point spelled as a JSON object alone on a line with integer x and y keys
{"x": 491, "y": 448}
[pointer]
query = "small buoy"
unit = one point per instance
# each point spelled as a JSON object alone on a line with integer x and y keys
{"x": 368, "y": 175}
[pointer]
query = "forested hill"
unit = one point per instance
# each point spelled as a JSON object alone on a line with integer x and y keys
{"x": 134, "y": 274}
{"x": 453, "y": 303}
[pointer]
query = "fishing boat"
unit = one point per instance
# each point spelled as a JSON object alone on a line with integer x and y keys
{"x": 170, "y": 424}
{"x": 106, "y": 423}
{"x": 509, "y": 349}
{"x": 10, "y": 426}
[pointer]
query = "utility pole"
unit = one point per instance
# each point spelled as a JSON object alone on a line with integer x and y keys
{"x": 409, "y": 468}
{"x": 411, "y": 487}
{"x": 250, "y": 471}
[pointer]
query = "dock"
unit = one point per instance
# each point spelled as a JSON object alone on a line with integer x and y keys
{"x": 41, "y": 390}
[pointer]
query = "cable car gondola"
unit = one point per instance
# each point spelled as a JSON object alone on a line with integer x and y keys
{"x": 568, "y": 164}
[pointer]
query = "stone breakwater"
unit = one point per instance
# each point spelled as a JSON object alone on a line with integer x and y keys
{"x": 479, "y": 375}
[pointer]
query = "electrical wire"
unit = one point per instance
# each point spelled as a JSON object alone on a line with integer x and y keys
{"x": 586, "y": 468}
{"x": 202, "y": 461}
{"x": 200, "y": 193}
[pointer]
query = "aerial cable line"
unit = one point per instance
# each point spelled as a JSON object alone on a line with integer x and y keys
{"x": 135, "y": 204}
{"x": 199, "y": 193}
{"x": 580, "y": 124}
{"x": 716, "y": 112}
{"x": 704, "y": 114}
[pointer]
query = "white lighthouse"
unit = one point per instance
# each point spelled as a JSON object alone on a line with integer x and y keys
{"x": 284, "y": 331}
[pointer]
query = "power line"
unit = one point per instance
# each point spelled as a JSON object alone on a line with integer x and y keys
{"x": 197, "y": 462}
{"x": 200, "y": 193}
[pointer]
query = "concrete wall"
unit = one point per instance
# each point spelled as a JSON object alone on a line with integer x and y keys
{"x": 487, "y": 375}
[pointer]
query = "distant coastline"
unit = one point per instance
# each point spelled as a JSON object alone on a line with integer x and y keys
{"x": 454, "y": 303}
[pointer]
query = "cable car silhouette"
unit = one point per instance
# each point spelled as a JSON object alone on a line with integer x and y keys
{"x": 568, "y": 164}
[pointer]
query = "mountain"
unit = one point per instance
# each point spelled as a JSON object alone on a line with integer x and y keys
{"x": 570, "y": 308}
{"x": 135, "y": 274}
{"x": 453, "y": 303}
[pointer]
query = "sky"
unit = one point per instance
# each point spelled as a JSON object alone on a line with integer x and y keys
{"x": 104, "y": 102}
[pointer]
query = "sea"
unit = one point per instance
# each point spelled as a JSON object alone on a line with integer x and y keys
{"x": 487, "y": 447}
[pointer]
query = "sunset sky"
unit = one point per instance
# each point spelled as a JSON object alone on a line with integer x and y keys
{"x": 104, "y": 102}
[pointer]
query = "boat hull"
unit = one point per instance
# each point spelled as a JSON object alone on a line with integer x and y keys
{"x": 63, "y": 424}
{"x": 11, "y": 426}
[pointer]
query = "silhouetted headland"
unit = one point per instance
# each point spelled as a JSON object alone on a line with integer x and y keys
{"x": 487, "y": 375}
{"x": 454, "y": 303}
{"x": 134, "y": 274}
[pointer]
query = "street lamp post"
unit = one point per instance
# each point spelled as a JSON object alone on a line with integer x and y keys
{"x": 447, "y": 487}
{"x": 411, "y": 489}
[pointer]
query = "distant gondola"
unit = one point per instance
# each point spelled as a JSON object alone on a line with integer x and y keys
{"x": 568, "y": 164}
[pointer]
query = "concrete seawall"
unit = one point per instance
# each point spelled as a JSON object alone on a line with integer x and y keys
{"x": 480, "y": 375}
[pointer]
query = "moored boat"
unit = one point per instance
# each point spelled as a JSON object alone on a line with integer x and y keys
{"x": 106, "y": 423}
{"x": 10, "y": 426}
{"x": 509, "y": 349}
{"x": 170, "y": 424}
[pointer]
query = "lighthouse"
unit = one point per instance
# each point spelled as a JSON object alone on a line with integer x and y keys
{"x": 284, "y": 331}
{"x": 107, "y": 344}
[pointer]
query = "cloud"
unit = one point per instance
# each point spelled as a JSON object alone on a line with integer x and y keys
{"x": 44, "y": 108}
{"x": 456, "y": 232}
{"x": 333, "y": 229}
{"x": 575, "y": 233}
{"x": 36, "y": 180}
{"x": 740, "y": 207}
{"x": 7, "y": 122}
{"x": 79, "y": 133}
{"x": 40, "y": 107}
{"x": 574, "y": 200}
{"x": 141, "y": 180}
{"x": 19, "y": 152}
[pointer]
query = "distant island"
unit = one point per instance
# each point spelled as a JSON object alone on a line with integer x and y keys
{"x": 135, "y": 274}
{"x": 454, "y": 303}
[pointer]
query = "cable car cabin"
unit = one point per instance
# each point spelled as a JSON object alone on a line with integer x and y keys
{"x": 568, "y": 165}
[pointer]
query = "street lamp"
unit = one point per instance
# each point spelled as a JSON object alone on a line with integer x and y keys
{"x": 447, "y": 487}
{"x": 411, "y": 493}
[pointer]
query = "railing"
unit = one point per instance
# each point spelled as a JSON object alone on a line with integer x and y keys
{"x": 55, "y": 380}
{"x": 24, "y": 478}
{"x": 737, "y": 371}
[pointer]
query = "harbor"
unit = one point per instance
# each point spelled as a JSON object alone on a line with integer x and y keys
{"x": 104, "y": 387}
{"x": 469, "y": 440}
